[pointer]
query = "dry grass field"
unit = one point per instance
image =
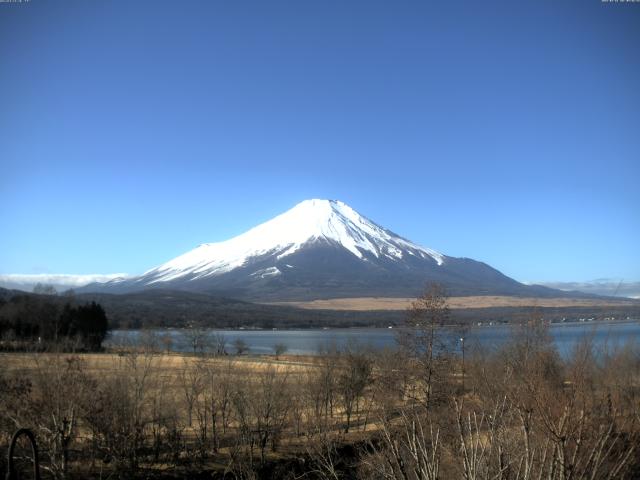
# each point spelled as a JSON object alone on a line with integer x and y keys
{"x": 172, "y": 363}
{"x": 105, "y": 362}
{"x": 384, "y": 303}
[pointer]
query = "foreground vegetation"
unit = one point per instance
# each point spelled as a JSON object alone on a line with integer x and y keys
{"x": 417, "y": 412}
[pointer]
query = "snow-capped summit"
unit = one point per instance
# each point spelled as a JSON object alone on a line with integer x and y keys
{"x": 317, "y": 249}
{"x": 308, "y": 222}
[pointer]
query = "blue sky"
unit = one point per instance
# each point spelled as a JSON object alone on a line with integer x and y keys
{"x": 507, "y": 132}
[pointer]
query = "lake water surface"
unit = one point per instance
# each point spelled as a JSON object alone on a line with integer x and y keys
{"x": 305, "y": 342}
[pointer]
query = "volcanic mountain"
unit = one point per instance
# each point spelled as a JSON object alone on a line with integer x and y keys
{"x": 320, "y": 249}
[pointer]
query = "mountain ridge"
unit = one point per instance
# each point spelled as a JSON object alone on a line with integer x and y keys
{"x": 320, "y": 249}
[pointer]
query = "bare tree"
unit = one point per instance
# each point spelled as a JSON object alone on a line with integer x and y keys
{"x": 391, "y": 378}
{"x": 240, "y": 346}
{"x": 261, "y": 407}
{"x": 410, "y": 449}
{"x": 149, "y": 341}
{"x": 326, "y": 461}
{"x": 353, "y": 378}
{"x": 197, "y": 338}
{"x": 220, "y": 344}
{"x": 269, "y": 406}
{"x": 420, "y": 339}
{"x": 167, "y": 341}
{"x": 118, "y": 412}
{"x": 322, "y": 385}
{"x": 59, "y": 385}
{"x": 540, "y": 417}
{"x": 191, "y": 383}
{"x": 279, "y": 349}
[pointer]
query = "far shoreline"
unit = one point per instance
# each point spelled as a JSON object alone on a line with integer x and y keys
{"x": 472, "y": 325}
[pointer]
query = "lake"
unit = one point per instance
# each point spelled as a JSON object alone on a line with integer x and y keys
{"x": 308, "y": 342}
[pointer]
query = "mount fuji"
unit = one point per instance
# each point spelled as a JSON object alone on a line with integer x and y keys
{"x": 319, "y": 249}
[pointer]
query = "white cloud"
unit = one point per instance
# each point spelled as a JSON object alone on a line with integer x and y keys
{"x": 602, "y": 286}
{"x": 61, "y": 281}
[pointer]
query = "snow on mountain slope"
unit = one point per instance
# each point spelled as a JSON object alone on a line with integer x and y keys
{"x": 308, "y": 222}
{"x": 319, "y": 249}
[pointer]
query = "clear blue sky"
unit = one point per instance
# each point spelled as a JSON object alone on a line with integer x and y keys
{"x": 505, "y": 131}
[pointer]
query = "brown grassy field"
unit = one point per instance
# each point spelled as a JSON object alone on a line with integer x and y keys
{"x": 160, "y": 385}
{"x": 142, "y": 413}
{"x": 385, "y": 303}
{"x": 167, "y": 364}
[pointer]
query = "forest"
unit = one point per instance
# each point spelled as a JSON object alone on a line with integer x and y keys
{"x": 43, "y": 321}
